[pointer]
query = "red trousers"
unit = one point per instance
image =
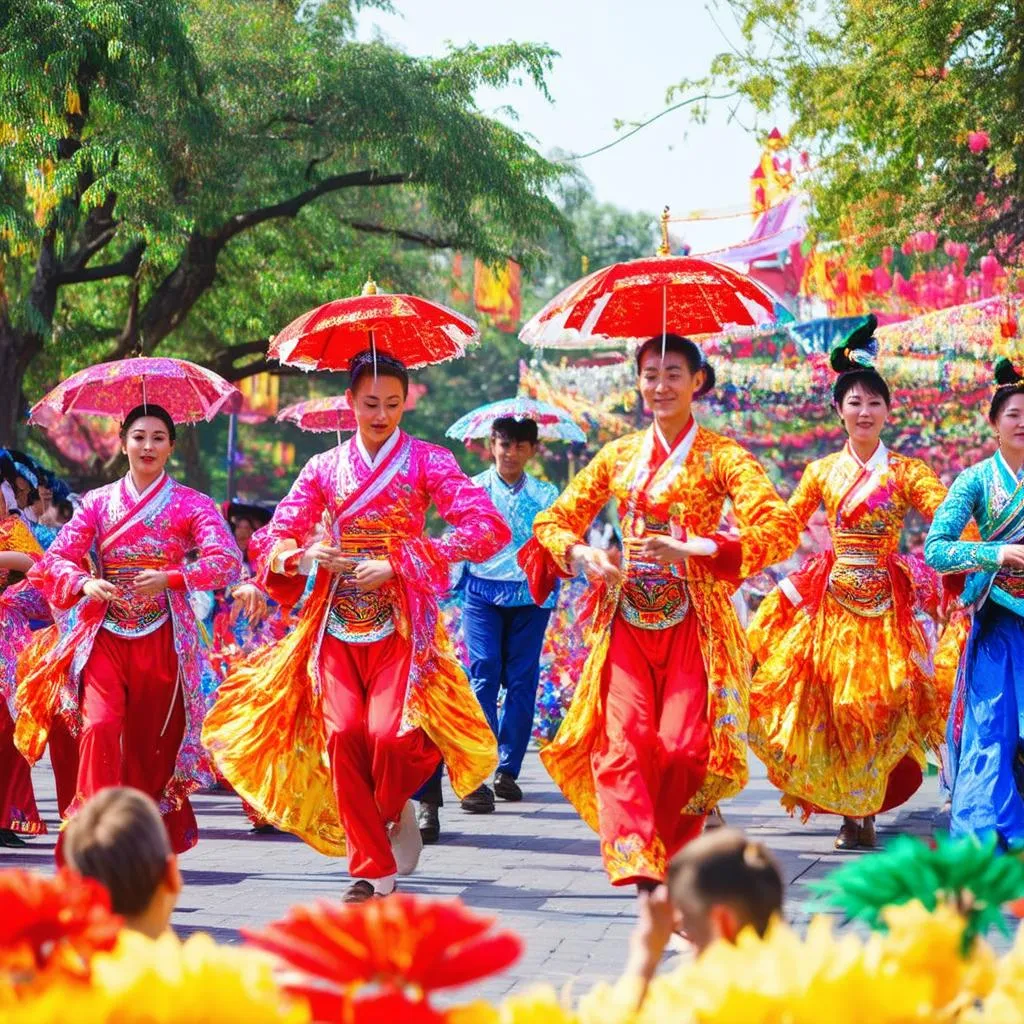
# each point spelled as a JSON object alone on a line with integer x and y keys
{"x": 18, "y": 811}
{"x": 133, "y": 719}
{"x": 375, "y": 770}
{"x": 654, "y": 754}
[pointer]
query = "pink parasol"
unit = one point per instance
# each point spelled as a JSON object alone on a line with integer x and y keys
{"x": 630, "y": 302}
{"x": 320, "y": 415}
{"x": 406, "y": 327}
{"x": 188, "y": 392}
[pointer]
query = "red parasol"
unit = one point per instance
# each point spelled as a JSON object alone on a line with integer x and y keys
{"x": 188, "y": 392}
{"x": 406, "y": 327}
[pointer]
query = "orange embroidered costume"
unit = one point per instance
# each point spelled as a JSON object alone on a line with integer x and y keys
{"x": 328, "y": 731}
{"x": 656, "y": 733}
{"x": 843, "y": 704}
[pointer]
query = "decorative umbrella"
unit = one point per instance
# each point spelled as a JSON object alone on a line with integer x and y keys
{"x": 320, "y": 415}
{"x": 552, "y": 423}
{"x": 405, "y": 327}
{"x": 640, "y": 299}
{"x": 188, "y": 392}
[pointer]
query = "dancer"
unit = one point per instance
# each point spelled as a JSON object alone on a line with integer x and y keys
{"x": 656, "y": 733}
{"x": 19, "y": 551}
{"x": 125, "y": 672}
{"x": 984, "y": 734}
{"x": 843, "y": 703}
{"x": 330, "y": 731}
{"x": 504, "y": 629}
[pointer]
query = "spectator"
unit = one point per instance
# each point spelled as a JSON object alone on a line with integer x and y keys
{"x": 118, "y": 838}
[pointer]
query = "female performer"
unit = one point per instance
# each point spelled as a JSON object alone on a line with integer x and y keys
{"x": 328, "y": 732}
{"x": 984, "y": 734}
{"x": 19, "y": 551}
{"x": 843, "y": 703}
{"x": 656, "y": 733}
{"x": 125, "y": 674}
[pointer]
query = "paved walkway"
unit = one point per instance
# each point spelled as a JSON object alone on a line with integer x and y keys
{"x": 534, "y": 865}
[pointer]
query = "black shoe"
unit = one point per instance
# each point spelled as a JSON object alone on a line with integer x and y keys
{"x": 507, "y": 788}
{"x": 480, "y": 801}
{"x": 429, "y": 823}
{"x": 359, "y": 892}
{"x": 11, "y": 838}
{"x": 264, "y": 830}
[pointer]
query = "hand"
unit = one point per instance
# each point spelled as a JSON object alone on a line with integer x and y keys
{"x": 329, "y": 557}
{"x": 100, "y": 590}
{"x": 250, "y": 600}
{"x": 150, "y": 582}
{"x": 1013, "y": 556}
{"x": 595, "y": 563}
{"x": 373, "y": 574}
{"x": 663, "y": 550}
{"x": 656, "y": 920}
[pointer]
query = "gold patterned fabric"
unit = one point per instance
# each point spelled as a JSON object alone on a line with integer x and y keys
{"x": 691, "y": 495}
{"x": 844, "y": 691}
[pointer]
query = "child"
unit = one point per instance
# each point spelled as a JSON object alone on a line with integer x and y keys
{"x": 118, "y": 838}
{"x": 717, "y": 885}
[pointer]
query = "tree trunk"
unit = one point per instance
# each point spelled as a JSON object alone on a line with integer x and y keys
{"x": 16, "y": 352}
{"x": 191, "y": 458}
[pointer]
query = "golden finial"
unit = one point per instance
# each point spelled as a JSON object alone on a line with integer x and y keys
{"x": 664, "y": 249}
{"x": 584, "y": 264}
{"x": 370, "y": 288}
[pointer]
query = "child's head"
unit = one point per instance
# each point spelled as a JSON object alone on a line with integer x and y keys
{"x": 721, "y": 883}
{"x": 118, "y": 838}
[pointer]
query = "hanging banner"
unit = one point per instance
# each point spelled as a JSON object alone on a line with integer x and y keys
{"x": 261, "y": 395}
{"x": 499, "y": 294}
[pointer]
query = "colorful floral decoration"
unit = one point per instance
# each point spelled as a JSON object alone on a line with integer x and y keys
{"x": 971, "y": 875}
{"x": 380, "y": 960}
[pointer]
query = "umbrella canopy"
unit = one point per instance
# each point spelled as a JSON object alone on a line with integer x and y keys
{"x": 319, "y": 415}
{"x": 553, "y": 424}
{"x": 188, "y": 392}
{"x": 413, "y": 330}
{"x": 633, "y": 301}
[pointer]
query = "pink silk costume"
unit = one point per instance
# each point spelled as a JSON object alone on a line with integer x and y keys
{"x": 266, "y": 729}
{"x": 691, "y": 495}
{"x": 844, "y": 702}
{"x": 19, "y": 602}
{"x": 156, "y": 531}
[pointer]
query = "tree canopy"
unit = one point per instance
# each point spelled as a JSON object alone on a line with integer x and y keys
{"x": 188, "y": 176}
{"x": 910, "y": 113}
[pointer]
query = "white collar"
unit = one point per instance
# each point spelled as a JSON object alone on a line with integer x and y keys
{"x": 684, "y": 443}
{"x": 134, "y": 494}
{"x": 383, "y": 452}
{"x": 878, "y": 460}
{"x": 1013, "y": 476}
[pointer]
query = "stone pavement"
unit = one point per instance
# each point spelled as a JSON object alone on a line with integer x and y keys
{"x": 534, "y": 865}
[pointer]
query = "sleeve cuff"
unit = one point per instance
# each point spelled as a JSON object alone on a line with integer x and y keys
{"x": 1001, "y": 554}
{"x": 728, "y": 560}
{"x": 175, "y": 579}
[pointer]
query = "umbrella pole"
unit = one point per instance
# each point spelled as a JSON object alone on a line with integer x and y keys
{"x": 232, "y": 448}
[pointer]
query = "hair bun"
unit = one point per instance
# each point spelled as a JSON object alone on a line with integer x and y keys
{"x": 859, "y": 349}
{"x": 1006, "y": 373}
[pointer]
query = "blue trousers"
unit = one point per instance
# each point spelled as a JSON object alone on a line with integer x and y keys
{"x": 504, "y": 650}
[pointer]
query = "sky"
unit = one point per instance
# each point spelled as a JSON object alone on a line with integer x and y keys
{"x": 617, "y": 61}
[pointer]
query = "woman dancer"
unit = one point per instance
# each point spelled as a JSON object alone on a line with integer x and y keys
{"x": 125, "y": 673}
{"x": 19, "y": 551}
{"x": 843, "y": 703}
{"x": 984, "y": 733}
{"x": 656, "y": 733}
{"x": 330, "y": 731}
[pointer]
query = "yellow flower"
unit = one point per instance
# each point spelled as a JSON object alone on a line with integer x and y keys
{"x": 168, "y": 982}
{"x": 1005, "y": 1001}
{"x": 540, "y": 1005}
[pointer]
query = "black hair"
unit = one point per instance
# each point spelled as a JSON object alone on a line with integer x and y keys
{"x": 386, "y": 366}
{"x": 513, "y": 429}
{"x": 157, "y": 411}
{"x": 854, "y": 360}
{"x": 1010, "y": 383}
{"x": 64, "y": 508}
{"x": 689, "y": 350}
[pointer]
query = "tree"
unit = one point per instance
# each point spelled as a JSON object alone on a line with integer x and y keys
{"x": 910, "y": 112}
{"x": 188, "y": 175}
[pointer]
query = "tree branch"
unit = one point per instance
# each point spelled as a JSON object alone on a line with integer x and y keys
{"x": 97, "y": 231}
{"x": 290, "y": 207}
{"x": 417, "y": 237}
{"x": 126, "y": 266}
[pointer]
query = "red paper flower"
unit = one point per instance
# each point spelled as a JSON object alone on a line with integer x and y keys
{"x": 402, "y": 946}
{"x": 53, "y": 922}
{"x": 977, "y": 142}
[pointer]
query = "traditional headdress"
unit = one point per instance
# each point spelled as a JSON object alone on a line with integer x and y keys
{"x": 859, "y": 349}
{"x": 1007, "y": 375}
